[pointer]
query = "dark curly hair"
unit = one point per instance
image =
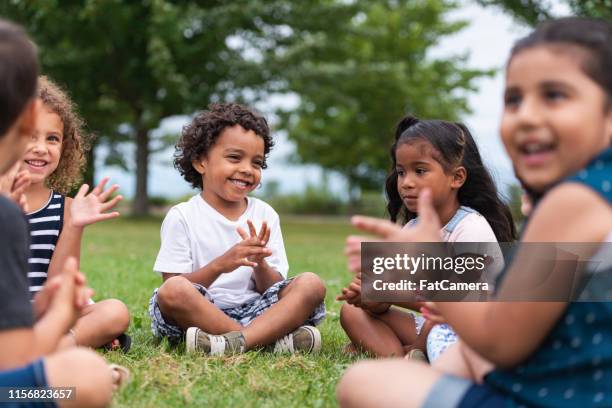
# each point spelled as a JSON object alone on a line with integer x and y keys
{"x": 201, "y": 134}
{"x": 454, "y": 146}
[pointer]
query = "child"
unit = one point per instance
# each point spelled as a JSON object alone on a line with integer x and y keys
{"x": 24, "y": 342}
{"x": 444, "y": 157}
{"x": 557, "y": 129}
{"x": 54, "y": 158}
{"x": 228, "y": 290}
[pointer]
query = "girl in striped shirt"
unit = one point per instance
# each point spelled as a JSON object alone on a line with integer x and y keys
{"x": 55, "y": 158}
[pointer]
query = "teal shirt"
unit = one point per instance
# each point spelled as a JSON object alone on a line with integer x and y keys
{"x": 573, "y": 366}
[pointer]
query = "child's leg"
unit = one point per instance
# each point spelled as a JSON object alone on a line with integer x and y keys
{"x": 84, "y": 370}
{"x": 183, "y": 305}
{"x": 296, "y": 302}
{"x": 372, "y": 334}
{"x": 383, "y": 334}
{"x": 386, "y": 383}
{"x": 99, "y": 324}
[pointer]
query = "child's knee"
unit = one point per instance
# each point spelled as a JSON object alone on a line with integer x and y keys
{"x": 86, "y": 371}
{"x": 118, "y": 315}
{"x": 313, "y": 286}
{"x": 173, "y": 291}
{"x": 353, "y": 379}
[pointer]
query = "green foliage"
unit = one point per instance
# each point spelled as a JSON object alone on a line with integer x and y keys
{"x": 533, "y": 11}
{"x": 360, "y": 73}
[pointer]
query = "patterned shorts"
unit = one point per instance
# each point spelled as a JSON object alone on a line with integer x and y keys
{"x": 243, "y": 314}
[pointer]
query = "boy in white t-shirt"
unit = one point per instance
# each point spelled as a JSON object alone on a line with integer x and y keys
{"x": 222, "y": 256}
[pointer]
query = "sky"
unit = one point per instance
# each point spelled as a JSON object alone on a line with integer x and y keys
{"x": 488, "y": 40}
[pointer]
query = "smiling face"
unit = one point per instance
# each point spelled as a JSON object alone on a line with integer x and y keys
{"x": 417, "y": 168}
{"x": 44, "y": 150}
{"x": 232, "y": 167}
{"x": 555, "y": 118}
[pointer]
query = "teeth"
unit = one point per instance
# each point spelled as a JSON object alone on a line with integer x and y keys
{"x": 534, "y": 147}
{"x": 36, "y": 163}
{"x": 240, "y": 183}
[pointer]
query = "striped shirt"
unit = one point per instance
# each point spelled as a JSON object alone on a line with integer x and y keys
{"x": 45, "y": 227}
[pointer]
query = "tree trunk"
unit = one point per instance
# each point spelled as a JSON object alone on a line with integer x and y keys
{"x": 140, "y": 205}
{"x": 90, "y": 168}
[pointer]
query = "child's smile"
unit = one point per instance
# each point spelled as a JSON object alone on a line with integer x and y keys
{"x": 554, "y": 118}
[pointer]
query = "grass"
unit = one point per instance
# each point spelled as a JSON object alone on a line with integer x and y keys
{"x": 118, "y": 259}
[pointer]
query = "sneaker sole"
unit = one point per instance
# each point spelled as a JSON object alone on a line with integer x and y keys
{"x": 190, "y": 339}
{"x": 316, "y": 338}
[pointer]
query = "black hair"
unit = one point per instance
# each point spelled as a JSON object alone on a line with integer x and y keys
{"x": 592, "y": 35}
{"x": 201, "y": 134}
{"x": 454, "y": 146}
{"x": 18, "y": 73}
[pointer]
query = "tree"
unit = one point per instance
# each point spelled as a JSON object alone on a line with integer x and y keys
{"x": 130, "y": 64}
{"x": 533, "y": 11}
{"x": 360, "y": 74}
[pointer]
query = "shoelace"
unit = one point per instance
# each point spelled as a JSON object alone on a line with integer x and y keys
{"x": 284, "y": 345}
{"x": 217, "y": 345}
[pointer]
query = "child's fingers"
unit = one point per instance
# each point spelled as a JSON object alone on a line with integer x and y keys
{"x": 427, "y": 214}
{"x": 104, "y": 217}
{"x": 266, "y": 237}
{"x": 100, "y": 187}
{"x": 252, "y": 229}
{"x": 246, "y": 262}
{"x": 259, "y": 251}
{"x": 106, "y": 194}
{"x": 110, "y": 204}
{"x": 82, "y": 191}
{"x": 242, "y": 233}
{"x": 376, "y": 226}
{"x": 355, "y": 287}
{"x": 262, "y": 231}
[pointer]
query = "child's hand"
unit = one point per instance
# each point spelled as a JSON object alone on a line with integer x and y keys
{"x": 263, "y": 237}
{"x": 431, "y": 313}
{"x": 70, "y": 295}
{"x": 14, "y": 183}
{"x": 240, "y": 255}
{"x": 426, "y": 230}
{"x": 352, "y": 293}
{"x": 352, "y": 250}
{"x": 87, "y": 209}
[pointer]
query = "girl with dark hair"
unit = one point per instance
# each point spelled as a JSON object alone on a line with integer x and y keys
{"x": 557, "y": 129}
{"x": 443, "y": 157}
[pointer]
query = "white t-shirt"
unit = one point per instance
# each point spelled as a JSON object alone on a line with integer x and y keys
{"x": 193, "y": 234}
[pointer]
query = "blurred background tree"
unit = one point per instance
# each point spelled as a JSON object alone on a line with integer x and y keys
{"x": 356, "y": 66}
{"x": 356, "y": 77}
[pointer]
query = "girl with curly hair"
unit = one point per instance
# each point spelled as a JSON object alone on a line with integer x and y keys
{"x": 55, "y": 157}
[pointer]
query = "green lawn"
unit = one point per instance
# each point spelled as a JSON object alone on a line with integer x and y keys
{"x": 118, "y": 258}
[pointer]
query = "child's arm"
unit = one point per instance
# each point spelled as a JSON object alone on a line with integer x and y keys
{"x": 491, "y": 329}
{"x": 85, "y": 209}
{"x": 505, "y": 333}
{"x": 56, "y": 307}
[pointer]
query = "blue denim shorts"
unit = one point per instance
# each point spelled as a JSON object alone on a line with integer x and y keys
{"x": 31, "y": 375}
{"x": 450, "y": 391}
